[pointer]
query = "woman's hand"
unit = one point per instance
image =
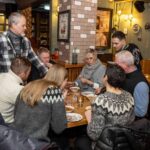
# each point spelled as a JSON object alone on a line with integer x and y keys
{"x": 88, "y": 115}
{"x": 65, "y": 92}
{"x": 86, "y": 81}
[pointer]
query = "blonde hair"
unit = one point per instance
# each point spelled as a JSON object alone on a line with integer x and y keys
{"x": 32, "y": 92}
{"x": 92, "y": 51}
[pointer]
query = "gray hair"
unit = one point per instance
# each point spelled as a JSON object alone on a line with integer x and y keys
{"x": 14, "y": 18}
{"x": 125, "y": 57}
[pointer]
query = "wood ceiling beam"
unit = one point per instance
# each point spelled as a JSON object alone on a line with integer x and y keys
{"x": 24, "y": 4}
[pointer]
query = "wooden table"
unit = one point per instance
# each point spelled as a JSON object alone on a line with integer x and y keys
{"x": 79, "y": 110}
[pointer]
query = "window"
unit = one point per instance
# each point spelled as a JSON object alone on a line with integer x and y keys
{"x": 3, "y": 22}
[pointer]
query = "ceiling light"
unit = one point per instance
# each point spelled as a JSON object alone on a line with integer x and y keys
{"x": 46, "y": 7}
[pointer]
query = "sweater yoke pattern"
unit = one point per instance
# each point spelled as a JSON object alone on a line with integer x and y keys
{"x": 115, "y": 104}
{"x": 53, "y": 95}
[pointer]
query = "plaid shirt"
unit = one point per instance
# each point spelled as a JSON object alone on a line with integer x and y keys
{"x": 7, "y": 53}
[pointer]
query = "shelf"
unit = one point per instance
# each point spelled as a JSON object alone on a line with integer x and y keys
{"x": 40, "y": 28}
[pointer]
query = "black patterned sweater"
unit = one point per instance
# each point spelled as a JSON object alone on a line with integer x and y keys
{"x": 110, "y": 109}
{"x": 49, "y": 112}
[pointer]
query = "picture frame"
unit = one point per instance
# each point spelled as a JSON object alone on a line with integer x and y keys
{"x": 103, "y": 28}
{"x": 63, "y": 31}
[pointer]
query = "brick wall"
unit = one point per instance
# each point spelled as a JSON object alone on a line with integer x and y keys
{"x": 82, "y": 27}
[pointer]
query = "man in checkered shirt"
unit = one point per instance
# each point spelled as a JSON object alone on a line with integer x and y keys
{"x": 13, "y": 43}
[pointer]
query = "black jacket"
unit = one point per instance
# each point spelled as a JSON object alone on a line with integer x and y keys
{"x": 136, "y": 137}
{"x": 12, "y": 140}
{"x": 35, "y": 73}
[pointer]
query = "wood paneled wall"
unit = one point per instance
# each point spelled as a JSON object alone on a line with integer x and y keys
{"x": 28, "y": 14}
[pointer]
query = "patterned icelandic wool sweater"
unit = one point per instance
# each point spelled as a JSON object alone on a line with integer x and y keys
{"x": 49, "y": 112}
{"x": 110, "y": 109}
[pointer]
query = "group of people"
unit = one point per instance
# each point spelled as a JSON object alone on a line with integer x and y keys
{"x": 30, "y": 107}
{"x": 124, "y": 99}
{"x": 33, "y": 87}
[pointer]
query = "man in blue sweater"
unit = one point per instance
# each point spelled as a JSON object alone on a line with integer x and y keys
{"x": 135, "y": 83}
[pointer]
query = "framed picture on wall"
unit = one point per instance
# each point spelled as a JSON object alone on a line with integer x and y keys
{"x": 103, "y": 28}
{"x": 63, "y": 33}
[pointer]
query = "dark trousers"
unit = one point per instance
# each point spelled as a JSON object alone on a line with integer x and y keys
{"x": 83, "y": 143}
{"x": 60, "y": 139}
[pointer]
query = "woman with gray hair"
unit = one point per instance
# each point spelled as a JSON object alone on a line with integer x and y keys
{"x": 92, "y": 73}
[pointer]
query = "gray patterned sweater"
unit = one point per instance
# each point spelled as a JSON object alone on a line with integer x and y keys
{"x": 36, "y": 121}
{"x": 110, "y": 109}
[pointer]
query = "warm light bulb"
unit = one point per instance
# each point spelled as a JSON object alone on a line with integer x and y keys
{"x": 58, "y": 8}
{"x": 134, "y": 20}
{"x": 126, "y": 17}
{"x": 119, "y": 12}
{"x": 130, "y": 16}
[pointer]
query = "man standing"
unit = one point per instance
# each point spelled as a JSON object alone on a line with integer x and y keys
{"x": 119, "y": 43}
{"x": 11, "y": 85}
{"x": 13, "y": 43}
{"x": 135, "y": 82}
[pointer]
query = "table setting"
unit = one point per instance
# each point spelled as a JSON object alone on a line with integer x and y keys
{"x": 76, "y": 103}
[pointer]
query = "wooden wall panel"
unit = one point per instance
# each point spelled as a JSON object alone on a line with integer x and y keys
{"x": 28, "y": 14}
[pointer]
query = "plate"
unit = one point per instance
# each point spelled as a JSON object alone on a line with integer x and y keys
{"x": 69, "y": 108}
{"x": 88, "y": 93}
{"x": 73, "y": 117}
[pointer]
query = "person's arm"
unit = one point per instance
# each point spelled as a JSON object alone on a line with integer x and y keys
{"x": 33, "y": 58}
{"x": 88, "y": 115}
{"x": 97, "y": 122}
{"x": 96, "y": 80}
{"x": 78, "y": 80}
{"x": 4, "y": 59}
{"x": 98, "y": 77}
{"x": 141, "y": 97}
